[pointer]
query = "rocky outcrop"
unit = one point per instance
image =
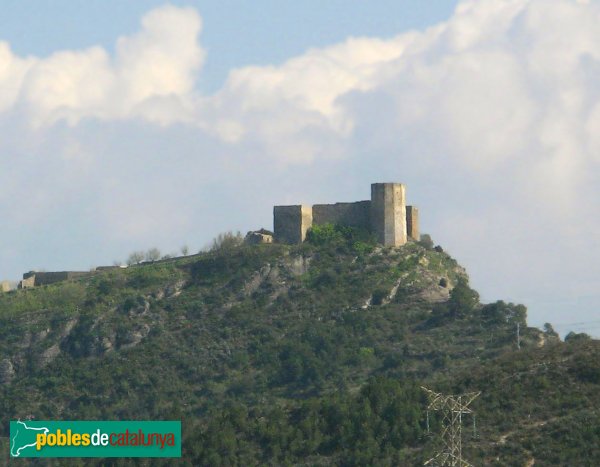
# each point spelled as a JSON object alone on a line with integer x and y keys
{"x": 7, "y": 371}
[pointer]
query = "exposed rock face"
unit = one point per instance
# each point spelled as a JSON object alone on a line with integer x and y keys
{"x": 7, "y": 371}
{"x": 48, "y": 355}
{"x": 135, "y": 336}
{"x": 298, "y": 265}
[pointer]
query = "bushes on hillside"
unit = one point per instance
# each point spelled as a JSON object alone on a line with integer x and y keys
{"x": 227, "y": 241}
{"x": 501, "y": 312}
{"x": 360, "y": 240}
{"x": 369, "y": 428}
{"x": 463, "y": 299}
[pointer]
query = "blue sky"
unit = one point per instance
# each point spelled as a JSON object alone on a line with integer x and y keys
{"x": 236, "y": 32}
{"x": 132, "y": 125}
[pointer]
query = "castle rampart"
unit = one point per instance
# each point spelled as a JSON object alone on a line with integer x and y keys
{"x": 36, "y": 279}
{"x": 385, "y": 215}
{"x": 350, "y": 214}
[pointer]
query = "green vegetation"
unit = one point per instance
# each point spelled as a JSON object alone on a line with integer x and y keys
{"x": 343, "y": 237}
{"x": 299, "y": 355}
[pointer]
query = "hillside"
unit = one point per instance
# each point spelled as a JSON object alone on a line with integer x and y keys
{"x": 299, "y": 355}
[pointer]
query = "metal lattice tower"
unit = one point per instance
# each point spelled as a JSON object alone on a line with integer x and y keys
{"x": 452, "y": 408}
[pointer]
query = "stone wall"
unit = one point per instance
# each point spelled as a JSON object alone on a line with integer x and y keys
{"x": 45, "y": 278}
{"x": 351, "y": 214}
{"x": 36, "y": 279}
{"x": 388, "y": 213}
{"x": 291, "y": 223}
{"x": 412, "y": 223}
{"x": 5, "y": 286}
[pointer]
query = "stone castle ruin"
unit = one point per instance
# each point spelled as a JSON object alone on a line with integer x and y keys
{"x": 386, "y": 215}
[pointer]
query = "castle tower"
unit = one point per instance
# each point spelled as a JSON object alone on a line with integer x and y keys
{"x": 412, "y": 223}
{"x": 388, "y": 213}
{"x": 290, "y": 223}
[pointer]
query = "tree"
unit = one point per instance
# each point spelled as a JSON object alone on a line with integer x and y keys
{"x": 185, "y": 250}
{"x": 227, "y": 241}
{"x": 153, "y": 254}
{"x": 577, "y": 337}
{"x": 135, "y": 258}
{"x": 463, "y": 298}
{"x": 549, "y": 330}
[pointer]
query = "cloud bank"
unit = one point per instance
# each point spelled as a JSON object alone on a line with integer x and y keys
{"x": 491, "y": 118}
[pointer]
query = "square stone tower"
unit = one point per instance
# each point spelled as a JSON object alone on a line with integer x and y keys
{"x": 388, "y": 213}
{"x": 291, "y": 223}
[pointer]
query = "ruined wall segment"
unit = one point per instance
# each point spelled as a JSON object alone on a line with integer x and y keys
{"x": 350, "y": 214}
{"x": 291, "y": 223}
{"x": 27, "y": 282}
{"x": 388, "y": 213}
{"x": 412, "y": 223}
{"x": 46, "y": 278}
{"x": 36, "y": 279}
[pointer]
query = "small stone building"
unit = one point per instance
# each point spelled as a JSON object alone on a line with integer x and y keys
{"x": 258, "y": 237}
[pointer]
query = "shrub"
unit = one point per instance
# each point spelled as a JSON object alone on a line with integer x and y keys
{"x": 227, "y": 241}
{"x": 426, "y": 241}
{"x": 359, "y": 240}
{"x": 549, "y": 330}
{"x": 135, "y": 258}
{"x": 379, "y": 295}
{"x": 463, "y": 298}
{"x": 153, "y": 254}
{"x": 324, "y": 234}
{"x": 577, "y": 337}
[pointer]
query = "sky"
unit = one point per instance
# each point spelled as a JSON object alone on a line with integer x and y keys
{"x": 131, "y": 125}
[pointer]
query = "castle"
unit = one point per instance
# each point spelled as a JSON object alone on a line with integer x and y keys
{"x": 386, "y": 215}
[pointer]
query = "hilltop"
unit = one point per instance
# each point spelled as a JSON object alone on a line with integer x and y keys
{"x": 308, "y": 354}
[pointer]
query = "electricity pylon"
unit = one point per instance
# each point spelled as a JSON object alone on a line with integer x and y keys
{"x": 452, "y": 408}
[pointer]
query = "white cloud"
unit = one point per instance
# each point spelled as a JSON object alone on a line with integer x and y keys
{"x": 492, "y": 118}
{"x": 151, "y": 75}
